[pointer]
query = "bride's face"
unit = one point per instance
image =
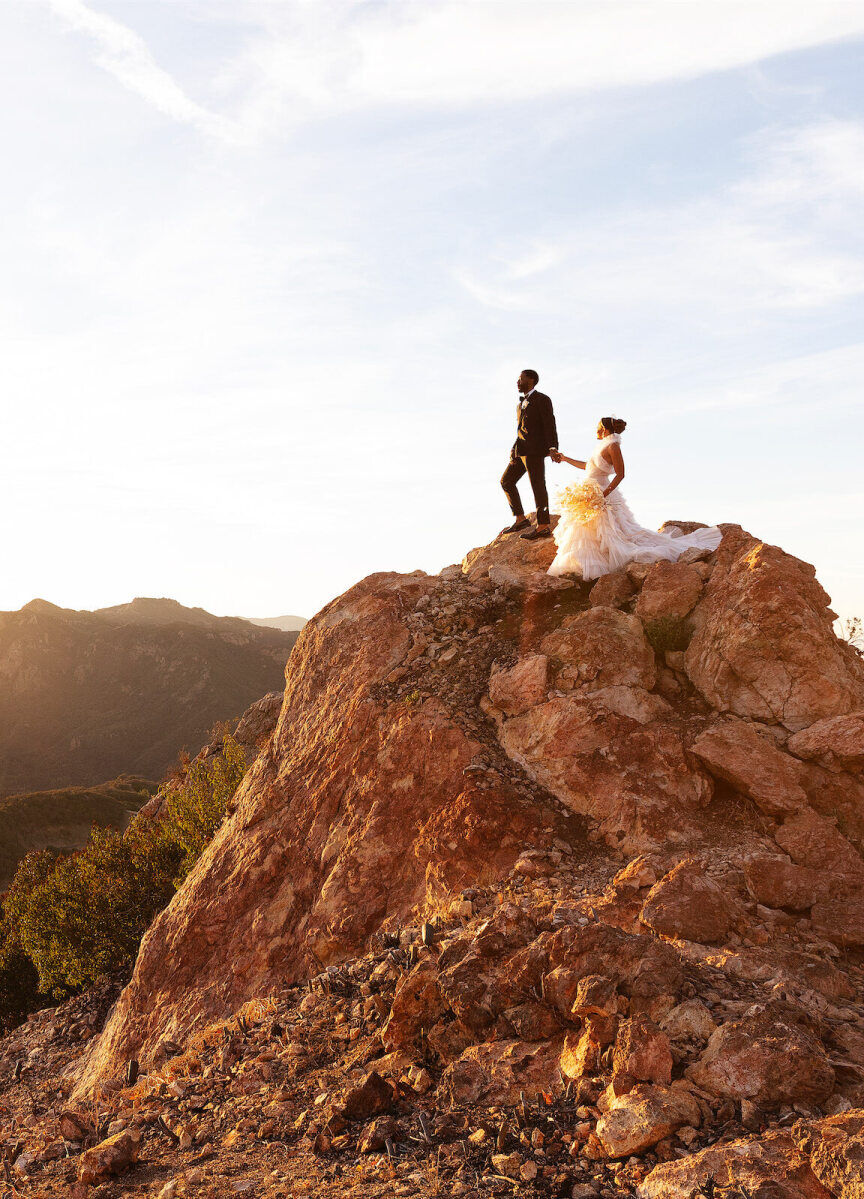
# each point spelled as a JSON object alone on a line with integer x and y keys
{"x": 601, "y": 432}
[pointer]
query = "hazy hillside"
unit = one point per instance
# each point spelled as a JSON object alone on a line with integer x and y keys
{"x": 289, "y": 624}
{"x": 63, "y": 819}
{"x": 85, "y": 696}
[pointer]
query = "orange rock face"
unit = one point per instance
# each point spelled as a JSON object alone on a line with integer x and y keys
{"x": 356, "y": 811}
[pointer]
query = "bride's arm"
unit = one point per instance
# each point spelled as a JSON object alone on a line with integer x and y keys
{"x": 573, "y": 461}
{"x": 617, "y": 460}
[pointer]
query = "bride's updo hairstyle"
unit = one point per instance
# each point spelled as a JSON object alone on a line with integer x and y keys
{"x": 613, "y": 424}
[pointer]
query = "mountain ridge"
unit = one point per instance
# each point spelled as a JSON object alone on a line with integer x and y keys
{"x": 90, "y": 695}
{"x": 288, "y": 624}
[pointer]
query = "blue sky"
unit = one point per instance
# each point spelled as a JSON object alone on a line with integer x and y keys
{"x": 271, "y": 270}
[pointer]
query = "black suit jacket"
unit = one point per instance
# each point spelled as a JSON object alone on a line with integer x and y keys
{"x": 536, "y": 432}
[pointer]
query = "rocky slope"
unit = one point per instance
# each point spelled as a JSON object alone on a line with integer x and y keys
{"x": 576, "y": 875}
{"x": 85, "y": 696}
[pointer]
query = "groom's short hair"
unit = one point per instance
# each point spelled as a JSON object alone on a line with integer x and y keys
{"x": 533, "y": 375}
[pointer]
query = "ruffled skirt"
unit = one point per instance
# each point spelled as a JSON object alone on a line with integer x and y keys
{"x": 615, "y": 538}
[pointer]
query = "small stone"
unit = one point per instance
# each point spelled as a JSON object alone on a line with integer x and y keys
{"x": 109, "y": 1157}
{"x": 508, "y": 1164}
{"x": 373, "y": 1097}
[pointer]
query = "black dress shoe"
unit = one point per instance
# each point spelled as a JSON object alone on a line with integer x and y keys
{"x": 536, "y": 534}
{"x": 522, "y": 523}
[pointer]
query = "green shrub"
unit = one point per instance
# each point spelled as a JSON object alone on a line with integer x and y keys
{"x": 196, "y": 805}
{"x": 668, "y": 632}
{"x": 80, "y": 917}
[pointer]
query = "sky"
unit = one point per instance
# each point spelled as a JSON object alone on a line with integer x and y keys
{"x": 271, "y": 269}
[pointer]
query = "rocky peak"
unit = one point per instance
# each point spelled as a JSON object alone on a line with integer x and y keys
{"x": 534, "y": 882}
{"x": 436, "y": 729}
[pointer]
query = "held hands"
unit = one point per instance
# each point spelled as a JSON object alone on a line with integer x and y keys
{"x": 555, "y": 455}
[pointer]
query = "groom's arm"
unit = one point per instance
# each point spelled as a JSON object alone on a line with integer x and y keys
{"x": 550, "y": 431}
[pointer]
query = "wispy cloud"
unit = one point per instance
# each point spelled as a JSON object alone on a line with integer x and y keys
{"x": 125, "y": 55}
{"x": 298, "y": 59}
{"x": 769, "y": 242}
{"x": 333, "y": 56}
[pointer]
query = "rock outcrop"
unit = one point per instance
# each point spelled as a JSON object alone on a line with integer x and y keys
{"x": 428, "y": 726}
{"x": 587, "y": 904}
{"x": 764, "y": 647}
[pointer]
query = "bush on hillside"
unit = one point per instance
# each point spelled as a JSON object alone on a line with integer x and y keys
{"x": 80, "y": 917}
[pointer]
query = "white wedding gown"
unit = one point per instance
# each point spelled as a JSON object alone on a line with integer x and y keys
{"x": 615, "y": 538}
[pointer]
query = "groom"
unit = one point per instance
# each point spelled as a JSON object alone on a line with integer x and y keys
{"x": 536, "y": 436}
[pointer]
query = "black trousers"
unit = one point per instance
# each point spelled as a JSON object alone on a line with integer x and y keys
{"x": 535, "y": 466}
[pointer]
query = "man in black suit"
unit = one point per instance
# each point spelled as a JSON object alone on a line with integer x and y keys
{"x": 536, "y": 436}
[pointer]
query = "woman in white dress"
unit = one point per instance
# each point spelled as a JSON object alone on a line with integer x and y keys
{"x": 614, "y": 538}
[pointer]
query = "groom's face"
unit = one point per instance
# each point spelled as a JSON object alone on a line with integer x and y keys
{"x": 524, "y": 383}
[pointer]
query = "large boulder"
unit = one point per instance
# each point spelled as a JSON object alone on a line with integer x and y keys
{"x": 815, "y": 841}
{"x": 778, "y": 883}
{"x": 109, "y": 1157}
{"x": 832, "y": 763}
{"x": 688, "y": 904}
{"x": 498, "y": 1072}
{"x": 671, "y": 589}
{"x": 417, "y": 1005}
{"x": 645, "y": 1115}
{"x": 511, "y": 557}
{"x": 835, "y": 1148}
{"x": 836, "y": 742}
{"x": 642, "y": 1051}
{"x": 606, "y": 647}
{"x": 517, "y": 688}
{"x": 600, "y": 755}
{"x": 772, "y": 1166}
{"x": 642, "y": 968}
{"x": 733, "y": 750}
{"x": 766, "y": 1059}
{"x": 764, "y": 646}
{"x": 612, "y": 591}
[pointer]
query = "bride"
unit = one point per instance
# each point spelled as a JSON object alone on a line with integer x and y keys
{"x": 613, "y": 538}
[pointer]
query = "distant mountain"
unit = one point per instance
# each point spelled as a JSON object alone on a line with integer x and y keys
{"x": 167, "y": 611}
{"x": 289, "y": 624}
{"x": 86, "y": 696}
{"x": 62, "y": 819}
